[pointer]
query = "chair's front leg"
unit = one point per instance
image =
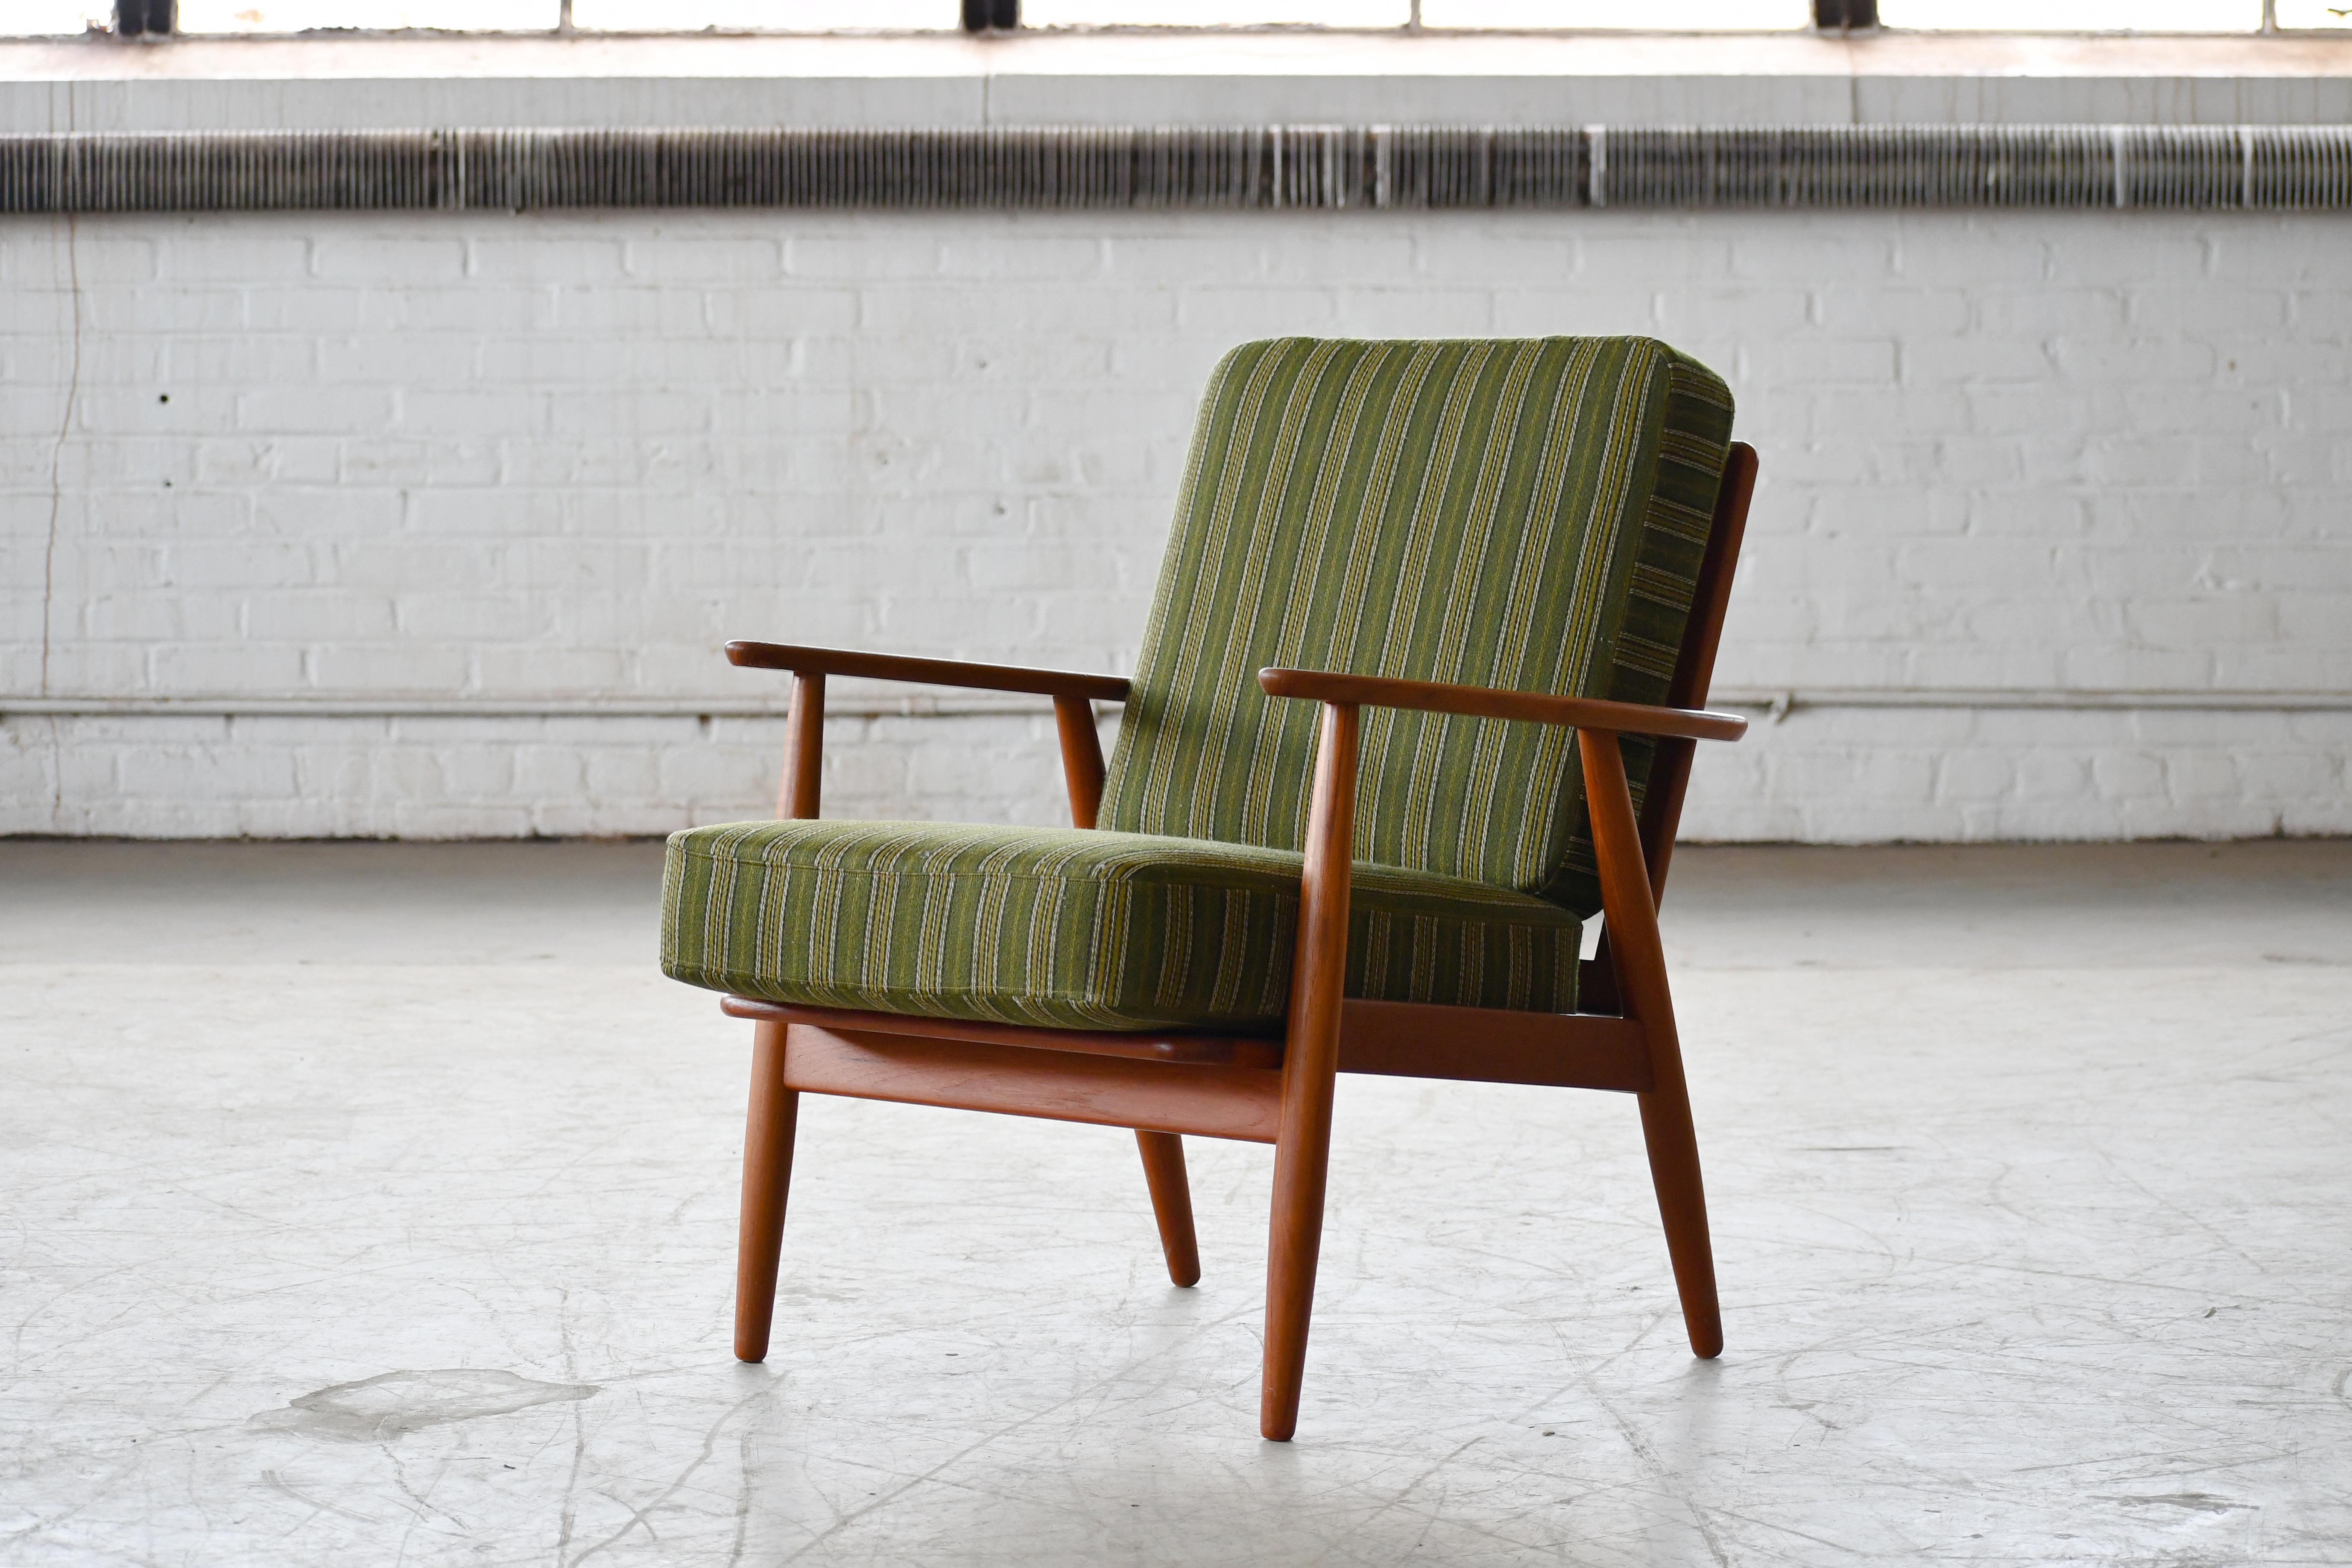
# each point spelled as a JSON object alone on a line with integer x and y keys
{"x": 773, "y": 1113}
{"x": 1632, "y": 912}
{"x": 1310, "y": 1063}
{"x": 768, "y": 1127}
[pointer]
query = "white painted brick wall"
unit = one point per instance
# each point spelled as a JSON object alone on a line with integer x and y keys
{"x": 565, "y": 457}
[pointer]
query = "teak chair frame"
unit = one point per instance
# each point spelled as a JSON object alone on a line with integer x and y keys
{"x": 1166, "y": 1084}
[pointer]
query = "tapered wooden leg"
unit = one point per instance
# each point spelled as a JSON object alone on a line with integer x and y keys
{"x": 767, "y": 1179}
{"x": 1172, "y": 1203}
{"x": 1293, "y": 1244}
{"x": 1631, "y": 910}
{"x": 1681, "y": 1208}
{"x": 1302, "y": 1151}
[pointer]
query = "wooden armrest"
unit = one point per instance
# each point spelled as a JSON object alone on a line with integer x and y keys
{"x": 928, "y": 672}
{"x": 1489, "y": 702}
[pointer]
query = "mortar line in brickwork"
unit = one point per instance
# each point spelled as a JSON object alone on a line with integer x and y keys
{"x": 1773, "y": 699}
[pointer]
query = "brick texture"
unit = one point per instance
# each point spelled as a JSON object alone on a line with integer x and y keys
{"x": 564, "y": 457}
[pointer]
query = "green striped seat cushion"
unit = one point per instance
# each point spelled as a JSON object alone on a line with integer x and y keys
{"x": 1076, "y": 929}
{"x": 1523, "y": 513}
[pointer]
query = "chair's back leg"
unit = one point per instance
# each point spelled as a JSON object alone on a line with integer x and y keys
{"x": 1661, "y": 807}
{"x": 1641, "y": 964}
{"x": 1171, "y": 1202}
{"x": 1163, "y": 1153}
{"x": 767, "y": 1182}
{"x": 1670, "y": 760}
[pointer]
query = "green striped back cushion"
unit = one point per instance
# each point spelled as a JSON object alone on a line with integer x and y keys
{"x": 1526, "y": 513}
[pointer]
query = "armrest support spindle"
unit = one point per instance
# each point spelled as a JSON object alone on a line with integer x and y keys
{"x": 1082, "y": 758}
{"x": 804, "y": 749}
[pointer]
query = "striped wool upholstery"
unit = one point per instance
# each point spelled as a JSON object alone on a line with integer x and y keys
{"x": 1076, "y": 928}
{"x": 1526, "y": 513}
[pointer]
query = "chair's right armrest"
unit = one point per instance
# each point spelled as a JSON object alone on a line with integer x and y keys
{"x": 926, "y": 671}
{"x": 1492, "y": 702}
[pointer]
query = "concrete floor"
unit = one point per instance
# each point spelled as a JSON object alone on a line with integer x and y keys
{"x": 376, "y": 1203}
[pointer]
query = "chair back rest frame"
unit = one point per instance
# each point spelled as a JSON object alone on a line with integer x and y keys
{"x": 1662, "y": 806}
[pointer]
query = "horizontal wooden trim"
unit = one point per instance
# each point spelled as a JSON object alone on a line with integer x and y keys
{"x": 1205, "y": 1102}
{"x": 926, "y": 671}
{"x": 1486, "y": 1045}
{"x": 1489, "y": 702}
{"x": 1254, "y": 168}
{"x": 1221, "y": 1050}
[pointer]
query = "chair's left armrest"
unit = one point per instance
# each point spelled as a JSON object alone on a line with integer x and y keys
{"x": 803, "y": 660}
{"x": 1493, "y": 702}
{"x": 1074, "y": 696}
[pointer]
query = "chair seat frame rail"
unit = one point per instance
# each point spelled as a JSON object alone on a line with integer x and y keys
{"x": 1167, "y": 1085}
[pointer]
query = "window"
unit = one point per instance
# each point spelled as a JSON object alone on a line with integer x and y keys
{"x": 1217, "y": 13}
{"x": 2073, "y": 16}
{"x": 310, "y": 16}
{"x": 2315, "y": 14}
{"x": 1649, "y": 15}
{"x": 1653, "y": 17}
{"x": 764, "y": 15}
{"x": 51, "y": 18}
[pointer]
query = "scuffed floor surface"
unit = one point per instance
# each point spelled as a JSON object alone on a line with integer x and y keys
{"x": 375, "y": 1204}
